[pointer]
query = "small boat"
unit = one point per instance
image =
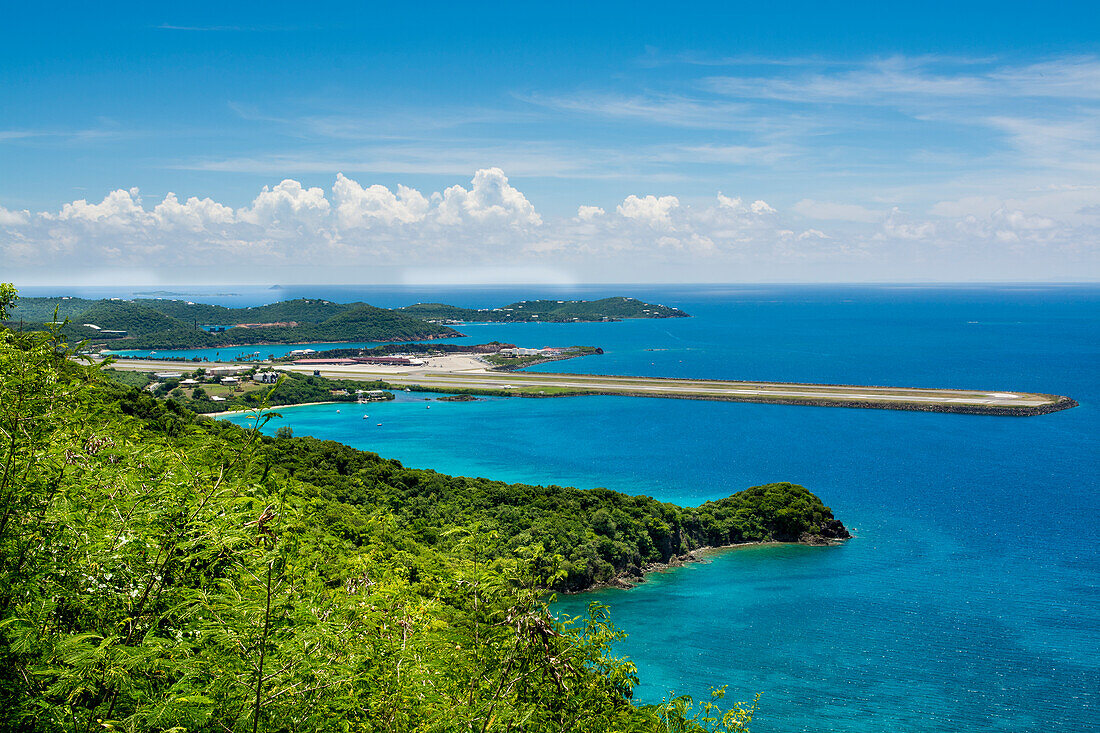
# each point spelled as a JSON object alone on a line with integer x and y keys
{"x": 338, "y": 411}
{"x": 379, "y": 424}
{"x": 365, "y": 416}
{"x": 428, "y": 407}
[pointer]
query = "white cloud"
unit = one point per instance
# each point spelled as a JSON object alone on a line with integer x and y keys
{"x": 730, "y": 203}
{"x": 287, "y": 205}
{"x": 360, "y": 207}
{"x": 885, "y": 81}
{"x": 897, "y": 226}
{"x": 118, "y": 209}
{"x": 13, "y": 218}
{"x": 672, "y": 110}
{"x": 649, "y": 210}
{"x": 490, "y": 199}
{"x": 194, "y": 214}
{"x": 354, "y": 230}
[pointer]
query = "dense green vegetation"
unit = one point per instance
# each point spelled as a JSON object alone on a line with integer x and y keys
{"x": 154, "y": 323}
{"x": 291, "y": 389}
{"x": 606, "y": 309}
{"x": 163, "y": 571}
{"x": 174, "y": 324}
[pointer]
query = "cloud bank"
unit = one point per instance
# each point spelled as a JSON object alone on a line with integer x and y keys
{"x": 370, "y": 233}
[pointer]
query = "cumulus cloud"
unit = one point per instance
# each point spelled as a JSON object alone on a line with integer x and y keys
{"x": 649, "y": 210}
{"x": 118, "y": 209}
{"x": 355, "y": 228}
{"x": 13, "y": 218}
{"x": 287, "y": 205}
{"x": 194, "y": 214}
{"x": 730, "y": 202}
{"x": 490, "y": 199}
{"x": 361, "y": 207}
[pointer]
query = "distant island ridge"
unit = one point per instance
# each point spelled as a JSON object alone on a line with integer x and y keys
{"x": 160, "y": 323}
{"x": 166, "y": 324}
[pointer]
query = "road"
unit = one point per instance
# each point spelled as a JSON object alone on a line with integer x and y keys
{"x": 531, "y": 383}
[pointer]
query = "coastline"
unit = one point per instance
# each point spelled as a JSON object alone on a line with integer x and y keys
{"x": 222, "y": 413}
{"x": 627, "y": 581}
{"x": 437, "y": 337}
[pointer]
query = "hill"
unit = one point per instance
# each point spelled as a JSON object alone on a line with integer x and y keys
{"x": 155, "y": 323}
{"x": 175, "y": 324}
{"x": 553, "y": 311}
{"x": 164, "y": 571}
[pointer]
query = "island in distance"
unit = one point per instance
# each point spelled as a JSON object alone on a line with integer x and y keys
{"x": 155, "y": 323}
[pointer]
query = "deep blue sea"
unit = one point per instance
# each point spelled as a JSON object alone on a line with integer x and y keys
{"x": 969, "y": 599}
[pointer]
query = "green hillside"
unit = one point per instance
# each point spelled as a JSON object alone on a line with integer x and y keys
{"x": 554, "y": 311}
{"x": 174, "y": 324}
{"x": 161, "y": 571}
{"x": 154, "y": 323}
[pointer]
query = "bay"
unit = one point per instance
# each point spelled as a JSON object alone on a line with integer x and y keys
{"x": 970, "y": 597}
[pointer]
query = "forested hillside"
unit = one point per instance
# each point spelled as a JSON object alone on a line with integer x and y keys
{"x": 161, "y": 571}
{"x": 174, "y": 324}
{"x": 547, "y": 311}
{"x": 153, "y": 323}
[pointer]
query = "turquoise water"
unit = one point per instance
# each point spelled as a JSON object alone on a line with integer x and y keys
{"x": 970, "y": 597}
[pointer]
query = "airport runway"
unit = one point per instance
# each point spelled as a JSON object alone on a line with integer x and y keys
{"x": 994, "y": 402}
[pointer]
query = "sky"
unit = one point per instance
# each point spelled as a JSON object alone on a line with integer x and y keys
{"x": 554, "y": 143}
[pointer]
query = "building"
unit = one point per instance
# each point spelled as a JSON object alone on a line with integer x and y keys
{"x": 266, "y": 377}
{"x": 227, "y": 370}
{"x": 330, "y": 362}
{"x": 517, "y": 351}
{"x": 164, "y": 376}
{"x": 230, "y": 380}
{"x": 389, "y": 360}
{"x": 370, "y": 395}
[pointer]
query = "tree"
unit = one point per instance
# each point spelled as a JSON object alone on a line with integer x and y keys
{"x": 8, "y": 294}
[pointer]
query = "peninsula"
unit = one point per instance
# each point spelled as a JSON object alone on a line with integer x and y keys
{"x": 479, "y": 377}
{"x": 546, "y": 311}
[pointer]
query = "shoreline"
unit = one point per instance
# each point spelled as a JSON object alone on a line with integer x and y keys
{"x": 286, "y": 343}
{"x": 271, "y": 408}
{"x": 627, "y": 581}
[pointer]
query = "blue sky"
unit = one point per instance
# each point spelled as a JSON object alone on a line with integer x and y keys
{"x": 632, "y": 141}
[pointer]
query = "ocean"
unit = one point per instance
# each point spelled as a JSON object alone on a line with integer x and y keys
{"x": 969, "y": 598}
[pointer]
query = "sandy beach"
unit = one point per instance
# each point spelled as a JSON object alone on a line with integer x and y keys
{"x": 273, "y": 408}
